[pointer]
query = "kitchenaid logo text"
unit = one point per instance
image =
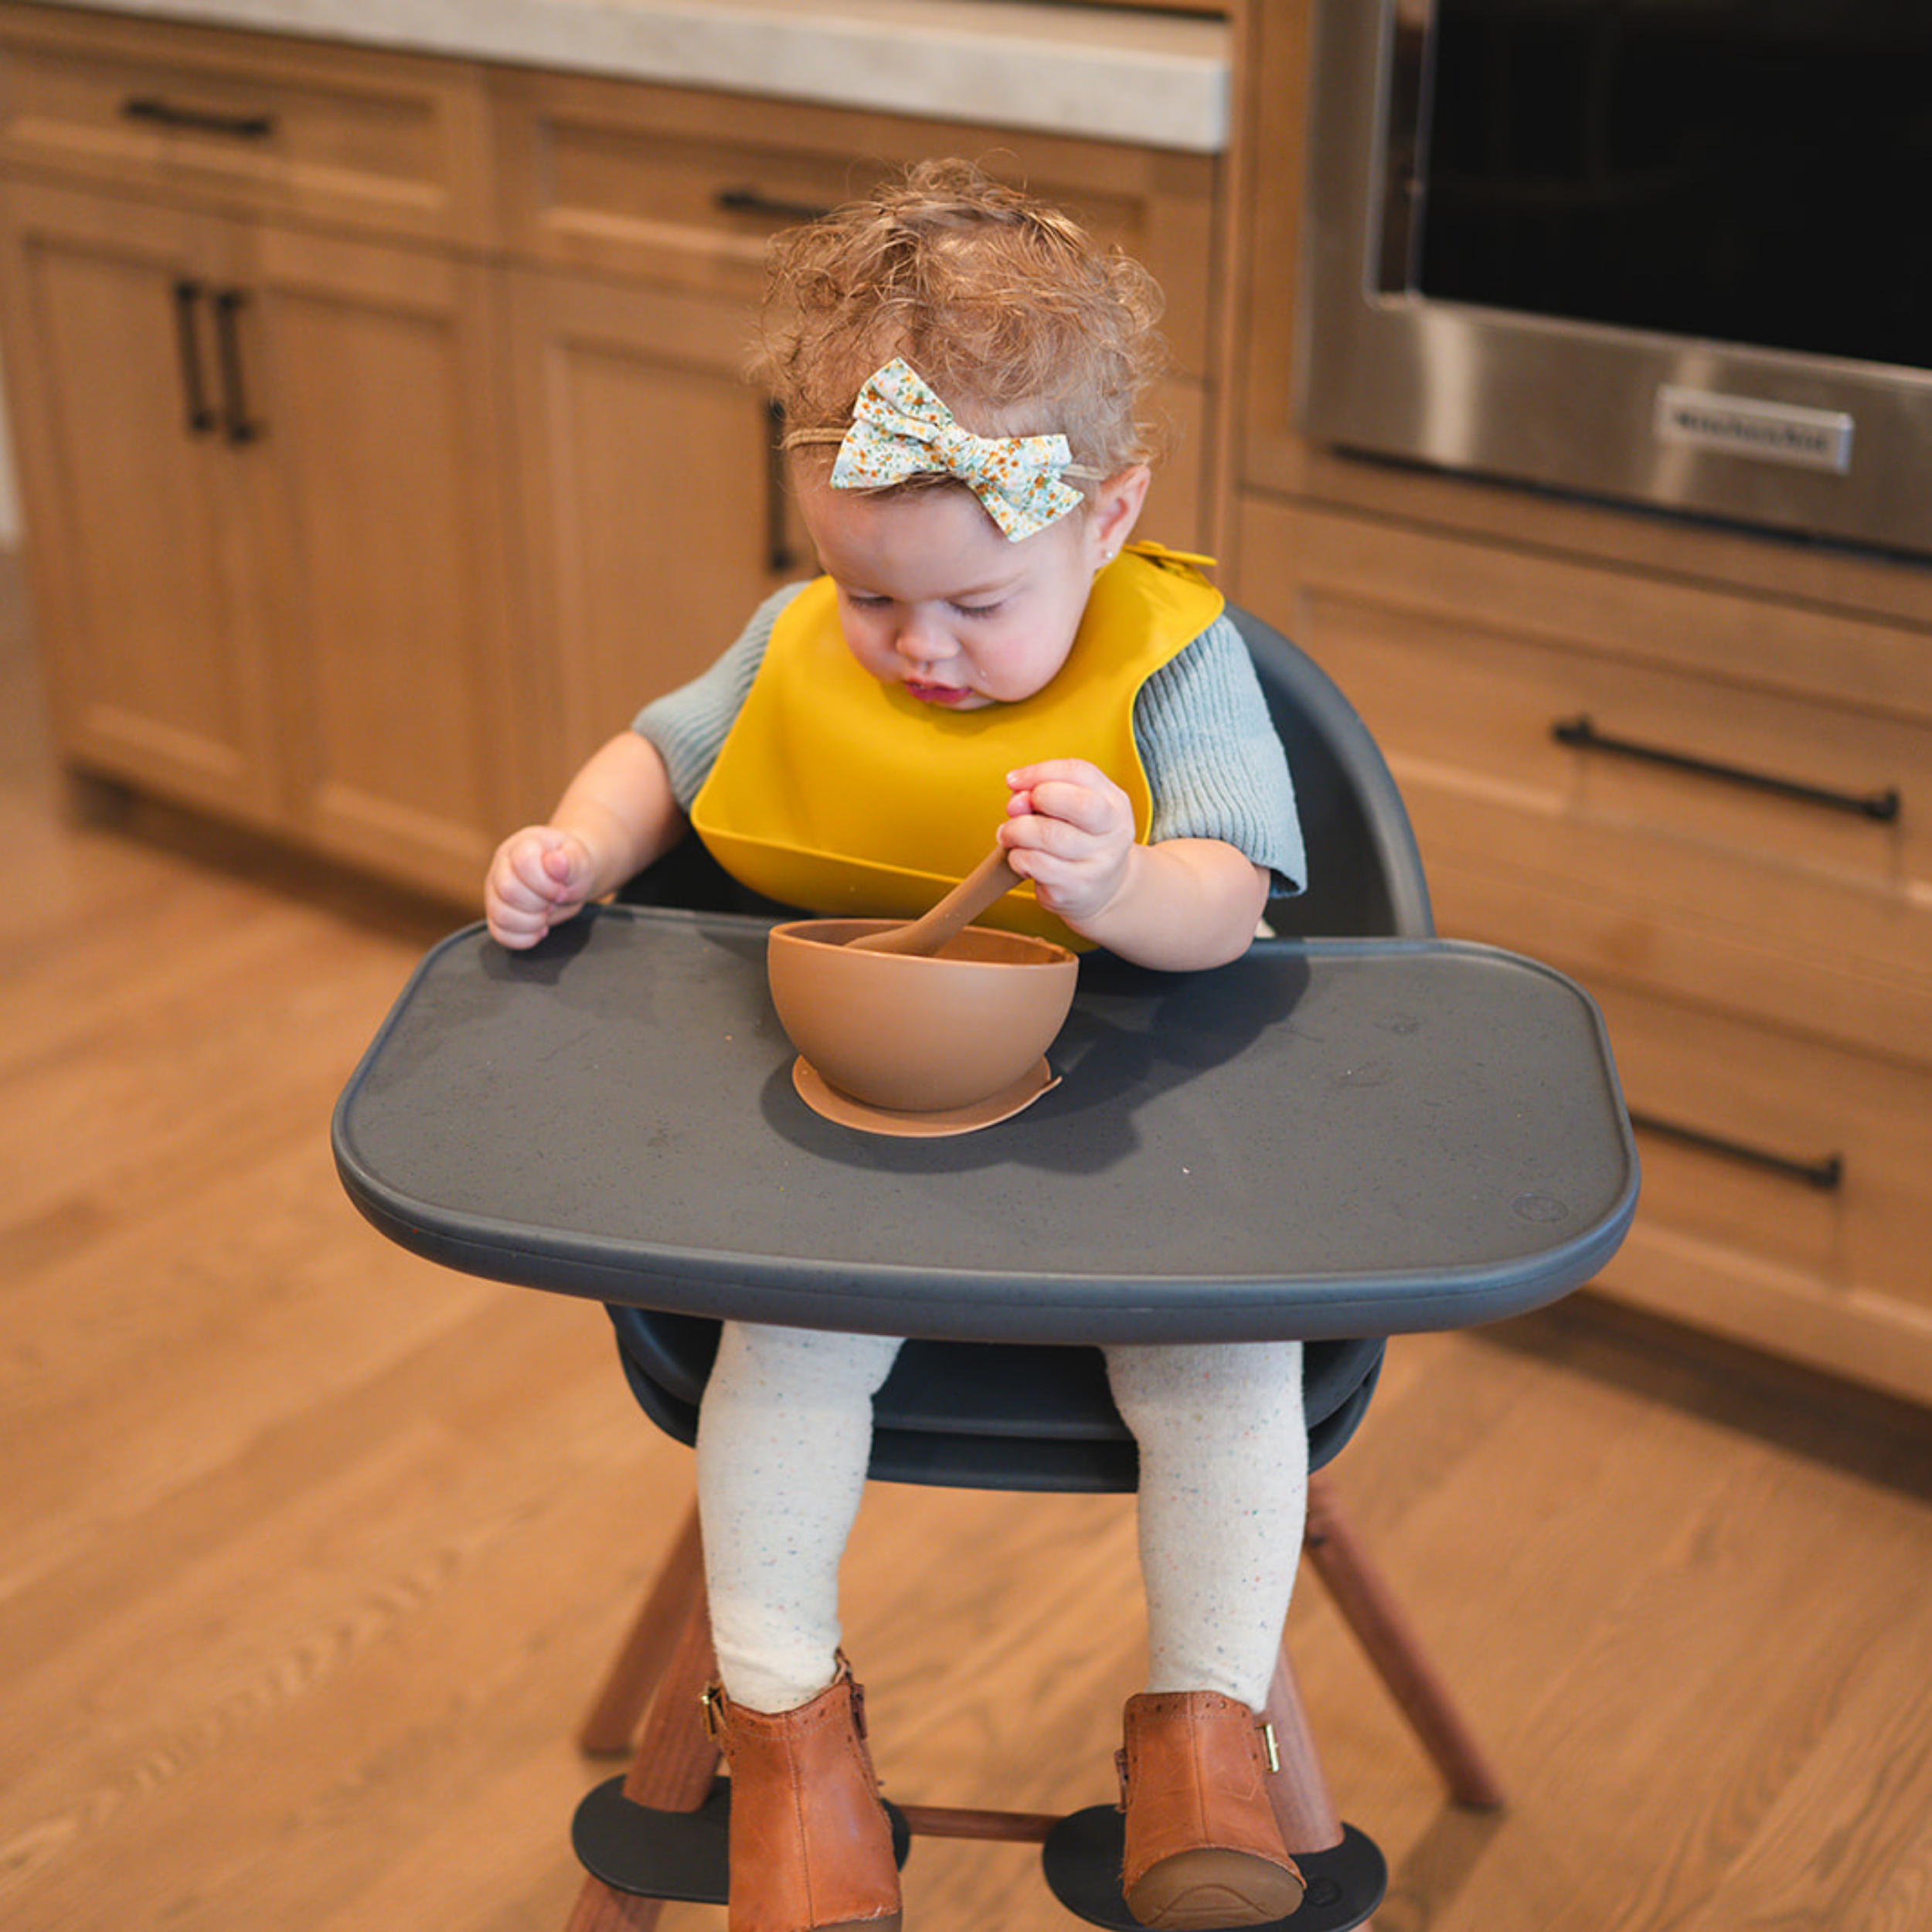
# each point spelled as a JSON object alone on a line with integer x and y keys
{"x": 1774, "y": 432}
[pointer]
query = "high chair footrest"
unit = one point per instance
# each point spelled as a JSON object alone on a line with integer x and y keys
{"x": 1082, "y": 1858}
{"x": 669, "y": 1855}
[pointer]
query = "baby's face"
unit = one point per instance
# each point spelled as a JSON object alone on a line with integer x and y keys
{"x": 931, "y": 596}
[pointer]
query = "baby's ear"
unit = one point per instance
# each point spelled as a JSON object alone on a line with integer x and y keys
{"x": 1117, "y": 509}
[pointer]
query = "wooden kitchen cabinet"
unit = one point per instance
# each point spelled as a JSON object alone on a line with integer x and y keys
{"x": 1763, "y": 955}
{"x": 158, "y": 659}
{"x": 268, "y": 554}
{"x": 259, "y": 457}
{"x": 1687, "y": 764}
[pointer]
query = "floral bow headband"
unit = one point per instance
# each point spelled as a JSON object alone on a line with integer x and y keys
{"x": 900, "y": 429}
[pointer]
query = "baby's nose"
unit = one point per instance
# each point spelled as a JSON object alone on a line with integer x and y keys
{"x": 918, "y": 643}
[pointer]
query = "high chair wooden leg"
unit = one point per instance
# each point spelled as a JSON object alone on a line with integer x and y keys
{"x": 1303, "y": 1806}
{"x": 1369, "y": 1609}
{"x": 677, "y": 1759}
{"x": 611, "y": 1722}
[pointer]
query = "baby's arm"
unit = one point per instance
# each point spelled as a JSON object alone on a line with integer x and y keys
{"x": 1181, "y": 904}
{"x": 617, "y": 815}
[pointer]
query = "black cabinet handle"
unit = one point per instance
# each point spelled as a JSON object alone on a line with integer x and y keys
{"x": 780, "y": 558}
{"x": 201, "y": 417}
{"x": 240, "y": 426}
{"x": 1827, "y": 1174}
{"x": 749, "y": 201}
{"x": 201, "y": 120}
{"x": 1581, "y": 732}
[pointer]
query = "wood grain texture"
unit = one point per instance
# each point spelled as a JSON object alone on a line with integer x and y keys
{"x": 311, "y": 1555}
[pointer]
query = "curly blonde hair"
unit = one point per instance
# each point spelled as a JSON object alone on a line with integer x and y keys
{"x": 1019, "y": 320}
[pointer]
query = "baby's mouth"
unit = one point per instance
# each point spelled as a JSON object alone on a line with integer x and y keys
{"x": 936, "y": 693}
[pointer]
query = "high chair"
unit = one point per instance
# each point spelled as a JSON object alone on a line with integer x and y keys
{"x": 984, "y": 1415}
{"x": 1482, "y": 1081}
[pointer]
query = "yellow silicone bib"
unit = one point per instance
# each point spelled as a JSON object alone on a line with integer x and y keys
{"x": 843, "y": 794}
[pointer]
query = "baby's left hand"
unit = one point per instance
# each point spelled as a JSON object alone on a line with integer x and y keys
{"x": 1069, "y": 828}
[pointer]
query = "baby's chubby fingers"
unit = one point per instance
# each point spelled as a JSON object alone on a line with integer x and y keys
{"x": 1070, "y": 831}
{"x": 1069, "y": 792}
{"x": 543, "y": 865}
{"x": 538, "y": 878}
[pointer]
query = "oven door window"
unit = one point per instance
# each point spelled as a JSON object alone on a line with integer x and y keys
{"x": 1745, "y": 170}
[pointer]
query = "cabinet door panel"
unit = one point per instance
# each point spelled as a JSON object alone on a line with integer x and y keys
{"x": 657, "y": 520}
{"x": 133, "y": 512}
{"x": 371, "y": 377}
{"x": 1784, "y": 1197}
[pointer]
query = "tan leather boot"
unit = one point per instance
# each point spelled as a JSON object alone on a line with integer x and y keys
{"x": 1203, "y": 1848}
{"x": 811, "y": 1845}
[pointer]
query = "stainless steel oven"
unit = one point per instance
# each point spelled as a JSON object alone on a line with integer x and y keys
{"x": 1669, "y": 251}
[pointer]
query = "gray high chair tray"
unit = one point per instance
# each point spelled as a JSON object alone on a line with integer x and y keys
{"x": 1323, "y": 1139}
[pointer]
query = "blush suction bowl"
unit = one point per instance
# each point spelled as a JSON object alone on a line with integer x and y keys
{"x": 914, "y": 1034}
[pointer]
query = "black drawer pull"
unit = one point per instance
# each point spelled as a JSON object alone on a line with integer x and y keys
{"x": 201, "y": 417}
{"x": 236, "y": 420}
{"x": 748, "y": 201}
{"x": 201, "y": 120}
{"x": 1581, "y": 732}
{"x": 1827, "y": 1174}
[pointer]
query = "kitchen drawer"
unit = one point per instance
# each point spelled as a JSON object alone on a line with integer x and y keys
{"x": 1741, "y": 840}
{"x": 1784, "y": 1200}
{"x": 679, "y": 186}
{"x": 281, "y": 126}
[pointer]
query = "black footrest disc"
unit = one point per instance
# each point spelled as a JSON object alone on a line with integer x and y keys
{"x": 669, "y": 1855}
{"x": 1083, "y": 1857}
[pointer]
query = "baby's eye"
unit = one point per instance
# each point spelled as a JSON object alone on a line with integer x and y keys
{"x": 861, "y": 600}
{"x": 978, "y": 609}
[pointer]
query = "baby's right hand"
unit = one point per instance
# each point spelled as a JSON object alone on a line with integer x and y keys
{"x": 539, "y": 878}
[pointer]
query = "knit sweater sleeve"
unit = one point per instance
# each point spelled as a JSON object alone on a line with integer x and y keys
{"x": 1213, "y": 760}
{"x": 689, "y": 725}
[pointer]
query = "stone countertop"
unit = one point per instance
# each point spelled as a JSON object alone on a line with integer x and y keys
{"x": 1161, "y": 80}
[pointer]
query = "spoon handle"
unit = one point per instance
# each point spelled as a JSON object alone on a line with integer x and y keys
{"x": 992, "y": 878}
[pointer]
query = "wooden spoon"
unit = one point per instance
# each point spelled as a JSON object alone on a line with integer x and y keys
{"x": 992, "y": 878}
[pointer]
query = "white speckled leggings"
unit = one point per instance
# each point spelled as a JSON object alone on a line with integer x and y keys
{"x": 783, "y": 1441}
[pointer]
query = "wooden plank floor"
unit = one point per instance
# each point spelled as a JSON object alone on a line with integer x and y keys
{"x": 310, "y": 1554}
